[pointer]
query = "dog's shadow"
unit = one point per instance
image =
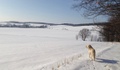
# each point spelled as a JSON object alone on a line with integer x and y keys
{"x": 106, "y": 61}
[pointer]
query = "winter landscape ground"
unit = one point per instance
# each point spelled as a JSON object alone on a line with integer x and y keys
{"x": 54, "y": 48}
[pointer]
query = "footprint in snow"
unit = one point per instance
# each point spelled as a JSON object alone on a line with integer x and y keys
{"x": 107, "y": 67}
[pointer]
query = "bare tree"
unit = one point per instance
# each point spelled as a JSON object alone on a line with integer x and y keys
{"x": 111, "y": 31}
{"x": 98, "y": 7}
{"x": 94, "y": 8}
{"x": 84, "y": 33}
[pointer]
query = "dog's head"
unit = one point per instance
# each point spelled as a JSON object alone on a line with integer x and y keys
{"x": 88, "y": 46}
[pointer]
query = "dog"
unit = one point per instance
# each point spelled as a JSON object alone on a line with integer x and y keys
{"x": 91, "y": 52}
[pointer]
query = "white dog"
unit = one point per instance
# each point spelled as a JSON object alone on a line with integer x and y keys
{"x": 91, "y": 52}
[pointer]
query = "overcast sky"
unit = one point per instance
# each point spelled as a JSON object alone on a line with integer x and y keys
{"x": 53, "y": 11}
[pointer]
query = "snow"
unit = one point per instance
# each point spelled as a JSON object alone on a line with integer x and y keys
{"x": 107, "y": 59}
{"x": 53, "y": 48}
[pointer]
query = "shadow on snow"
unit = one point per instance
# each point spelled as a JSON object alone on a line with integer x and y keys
{"x": 106, "y": 61}
{"x": 88, "y": 63}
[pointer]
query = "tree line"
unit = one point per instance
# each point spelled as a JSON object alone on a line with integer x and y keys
{"x": 24, "y": 25}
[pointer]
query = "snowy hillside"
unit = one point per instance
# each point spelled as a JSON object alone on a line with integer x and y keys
{"x": 53, "y": 48}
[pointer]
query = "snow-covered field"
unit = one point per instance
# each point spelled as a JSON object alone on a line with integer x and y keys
{"x": 53, "y": 48}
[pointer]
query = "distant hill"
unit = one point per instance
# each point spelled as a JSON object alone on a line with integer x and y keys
{"x": 42, "y": 24}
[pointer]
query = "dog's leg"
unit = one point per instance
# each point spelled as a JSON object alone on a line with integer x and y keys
{"x": 90, "y": 56}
